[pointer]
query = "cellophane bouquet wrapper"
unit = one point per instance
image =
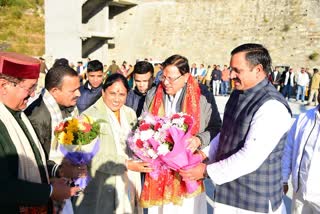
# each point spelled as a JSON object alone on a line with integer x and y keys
{"x": 162, "y": 141}
{"x": 78, "y": 139}
{"x": 81, "y": 155}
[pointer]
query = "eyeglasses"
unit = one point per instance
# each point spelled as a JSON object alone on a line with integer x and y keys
{"x": 29, "y": 90}
{"x": 170, "y": 79}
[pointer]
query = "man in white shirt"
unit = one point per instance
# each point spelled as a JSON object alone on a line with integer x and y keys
{"x": 201, "y": 73}
{"x": 244, "y": 160}
{"x": 194, "y": 70}
{"x": 288, "y": 84}
{"x": 302, "y": 83}
{"x": 301, "y": 159}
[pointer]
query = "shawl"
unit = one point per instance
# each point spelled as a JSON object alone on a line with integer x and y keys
{"x": 128, "y": 185}
{"x": 190, "y": 103}
{"x": 28, "y": 167}
{"x": 56, "y": 118}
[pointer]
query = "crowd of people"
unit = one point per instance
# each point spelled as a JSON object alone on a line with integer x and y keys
{"x": 299, "y": 84}
{"x": 249, "y": 156}
{"x": 303, "y": 82}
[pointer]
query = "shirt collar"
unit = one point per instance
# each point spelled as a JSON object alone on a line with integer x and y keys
{"x": 89, "y": 86}
{"x": 13, "y": 112}
{"x": 176, "y": 96}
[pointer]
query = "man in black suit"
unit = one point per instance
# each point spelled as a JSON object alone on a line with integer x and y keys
{"x": 194, "y": 70}
{"x": 275, "y": 78}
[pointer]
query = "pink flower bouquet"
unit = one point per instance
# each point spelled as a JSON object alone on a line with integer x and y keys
{"x": 162, "y": 141}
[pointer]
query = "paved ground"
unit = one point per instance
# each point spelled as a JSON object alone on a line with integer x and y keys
{"x": 296, "y": 107}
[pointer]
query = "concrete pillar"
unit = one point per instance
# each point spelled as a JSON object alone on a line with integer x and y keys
{"x": 62, "y": 29}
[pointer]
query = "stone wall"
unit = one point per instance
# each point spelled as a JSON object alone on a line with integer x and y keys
{"x": 205, "y": 31}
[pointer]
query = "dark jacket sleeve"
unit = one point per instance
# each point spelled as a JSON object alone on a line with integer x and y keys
{"x": 130, "y": 100}
{"x": 16, "y": 192}
{"x": 149, "y": 97}
{"x": 40, "y": 118}
{"x": 209, "y": 116}
{"x": 219, "y": 74}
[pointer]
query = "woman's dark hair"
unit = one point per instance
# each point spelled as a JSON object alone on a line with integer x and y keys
{"x": 255, "y": 54}
{"x": 115, "y": 78}
{"x": 179, "y": 61}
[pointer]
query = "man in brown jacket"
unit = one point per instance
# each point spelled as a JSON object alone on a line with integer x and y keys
{"x": 315, "y": 84}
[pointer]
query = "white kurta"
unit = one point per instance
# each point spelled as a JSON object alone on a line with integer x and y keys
{"x": 258, "y": 146}
{"x": 196, "y": 205}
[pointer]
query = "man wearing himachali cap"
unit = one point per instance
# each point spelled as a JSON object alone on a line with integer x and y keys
{"x": 25, "y": 186}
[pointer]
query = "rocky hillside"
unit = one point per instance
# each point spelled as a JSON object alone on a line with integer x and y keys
{"x": 22, "y": 26}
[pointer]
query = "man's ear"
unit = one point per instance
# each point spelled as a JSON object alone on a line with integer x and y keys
{"x": 3, "y": 86}
{"x": 259, "y": 70}
{"x": 54, "y": 92}
{"x": 3, "y": 83}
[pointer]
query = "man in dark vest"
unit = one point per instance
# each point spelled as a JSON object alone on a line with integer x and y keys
{"x": 275, "y": 78}
{"x": 244, "y": 160}
{"x": 24, "y": 177}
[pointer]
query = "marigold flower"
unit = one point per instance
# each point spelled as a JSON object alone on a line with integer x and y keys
{"x": 65, "y": 138}
{"x": 77, "y": 130}
{"x": 68, "y": 138}
{"x": 72, "y": 125}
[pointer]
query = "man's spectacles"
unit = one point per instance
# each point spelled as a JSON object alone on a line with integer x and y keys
{"x": 169, "y": 79}
{"x": 29, "y": 90}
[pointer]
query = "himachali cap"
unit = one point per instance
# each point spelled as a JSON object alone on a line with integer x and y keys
{"x": 19, "y": 65}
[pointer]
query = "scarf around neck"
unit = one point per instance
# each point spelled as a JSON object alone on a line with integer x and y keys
{"x": 56, "y": 118}
{"x": 28, "y": 167}
{"x": 190, "y": 103}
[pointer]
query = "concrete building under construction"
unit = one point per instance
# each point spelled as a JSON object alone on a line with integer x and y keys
{"x": 77, "y": 29}
{"x": 205, "y": 31}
